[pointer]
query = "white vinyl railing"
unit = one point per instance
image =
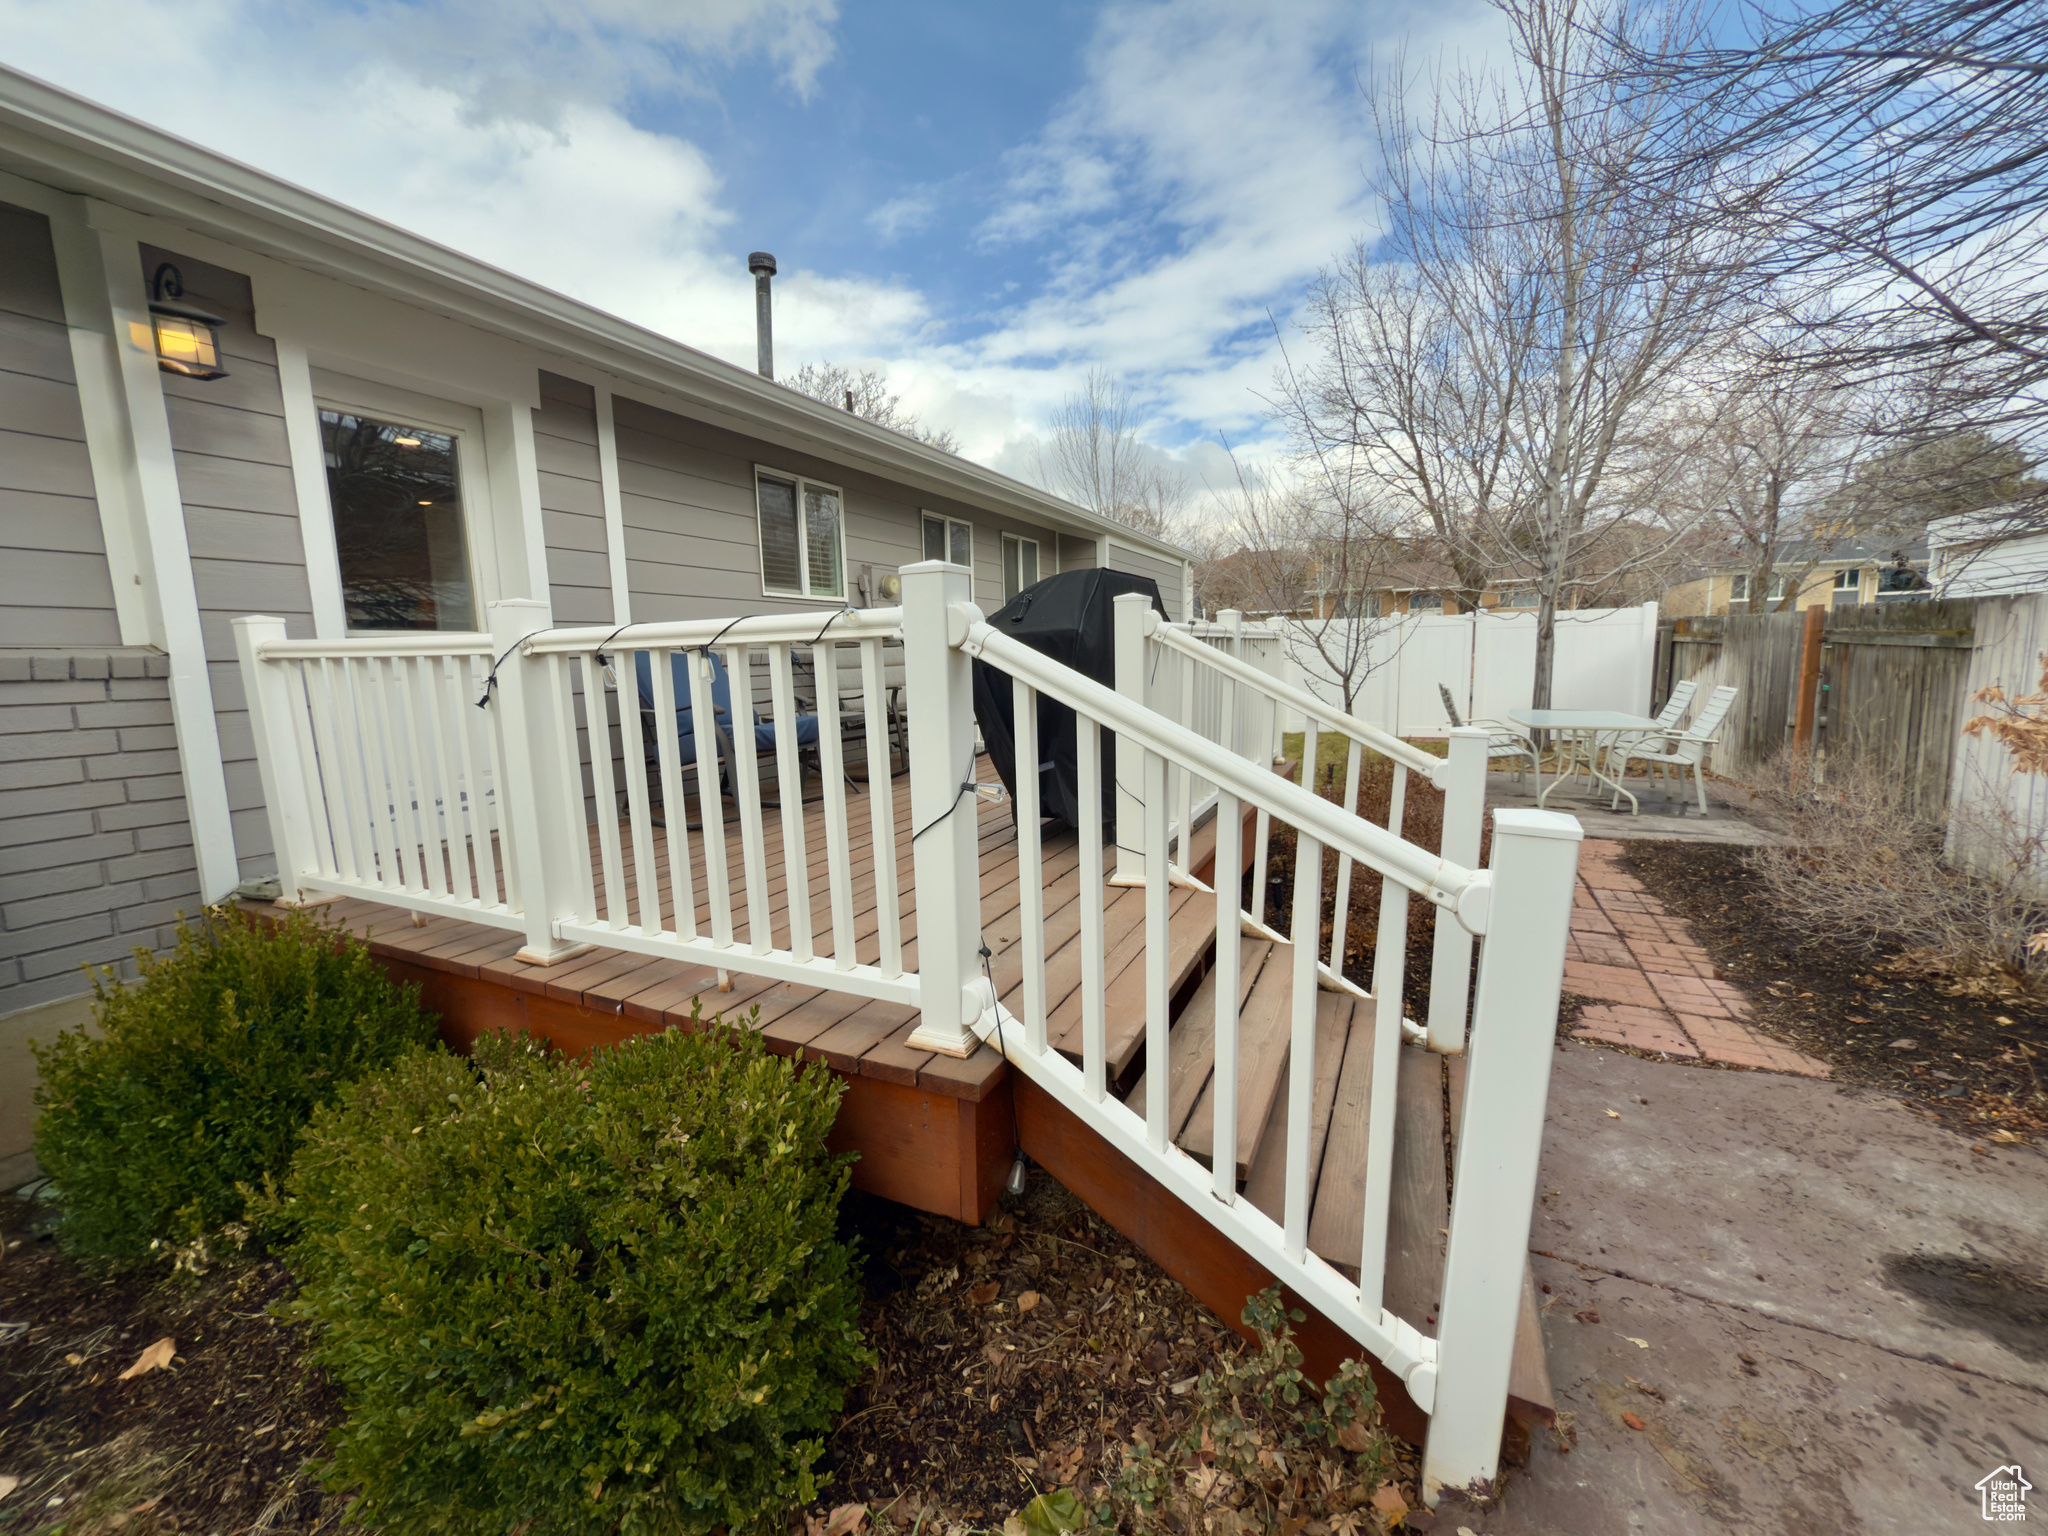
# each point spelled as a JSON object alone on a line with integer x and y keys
{"x": 1184, "y": 671}
{"x": 381, "y": 777}
{"x": 1521, "y": 904}
{"x": 464, "y": 774}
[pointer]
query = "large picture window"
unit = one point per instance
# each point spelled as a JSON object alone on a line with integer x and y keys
{"x": 396, "y": 492}
{"x": 803, "y": 536}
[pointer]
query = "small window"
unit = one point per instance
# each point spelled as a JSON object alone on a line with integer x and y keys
{"x": 803, "y": 535}
{"x": 1738, "y": 589}
{"x": 1518, "y": 597}
{"x": 398, "y": 529}
{"x": 1020, "y": 564}
{"x": 948, "y": 538}
{"x": 1425, "y": 602}
{"x": 1849, "y": 581}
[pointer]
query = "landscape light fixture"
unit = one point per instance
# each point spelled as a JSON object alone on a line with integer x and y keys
{"x": 185, "y": 339}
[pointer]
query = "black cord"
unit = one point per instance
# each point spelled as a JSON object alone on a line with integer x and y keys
{"x": 491, "y": 680}
{"x": 966, "y": 788}
{"x": 608, "y": 639}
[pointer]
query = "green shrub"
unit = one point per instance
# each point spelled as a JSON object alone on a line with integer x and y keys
{"x": 202, "y": 1076}
{"x": 579, "y": 1296}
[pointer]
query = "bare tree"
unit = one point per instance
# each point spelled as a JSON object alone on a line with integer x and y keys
{"x": 1889, "y": 193}
{"x": 1757, "y": 460}
{"x": 866, "y": 394}
{"x": 1893, "y": 158}
{"x": 1314, "y": 550}
{"x": 1401, "y": 402}
{"x": 1094, "y": 458}
{"x": 1498, "y": 356}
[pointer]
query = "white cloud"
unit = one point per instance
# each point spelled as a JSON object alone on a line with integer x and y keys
{"x": 576, "y": 197}
{"x": 1211, "y": 158}
{"x": 905, "y": 215}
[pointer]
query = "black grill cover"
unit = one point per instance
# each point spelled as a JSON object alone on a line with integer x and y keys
{"x": 1068, "y": 617}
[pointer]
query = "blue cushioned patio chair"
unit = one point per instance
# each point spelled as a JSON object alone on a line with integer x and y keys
{"x": 804, "y": 726}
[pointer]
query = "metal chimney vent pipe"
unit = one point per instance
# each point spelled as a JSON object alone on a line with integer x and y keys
{"x": 762, "y": 265}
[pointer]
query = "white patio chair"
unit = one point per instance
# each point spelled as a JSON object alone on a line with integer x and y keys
{"x": 1502, "y": 741}
{"x": 1688, "y": 747}
{"x": 1667, "y": 720}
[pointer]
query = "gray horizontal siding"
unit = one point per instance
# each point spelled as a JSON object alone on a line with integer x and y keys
{"x": 692, "y": 544}
{"x": 54, "y": 585}
{"x": 241, "y": 519}
{"x": 1168, "y": 573}
{"x": 96, "y": 855}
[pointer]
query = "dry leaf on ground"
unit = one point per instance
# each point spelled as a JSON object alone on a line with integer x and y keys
{"x": 156, "y": 1357}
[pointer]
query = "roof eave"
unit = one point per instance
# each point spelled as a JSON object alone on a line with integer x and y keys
{"x": 92, "y": 151}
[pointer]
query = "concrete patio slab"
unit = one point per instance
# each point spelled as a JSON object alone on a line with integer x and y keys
{"x": 1885, "y": 1281}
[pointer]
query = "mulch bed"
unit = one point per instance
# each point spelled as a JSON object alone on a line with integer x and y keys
{"x": 978, "y": 1404}
{"x": 1963, "y": 1061}
{"x": 215, "y": 1442}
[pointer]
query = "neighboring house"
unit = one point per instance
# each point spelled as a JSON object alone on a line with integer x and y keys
{"x": 1985, "y": 554}
{"x": 1843, "y": 574}
{"x": 1420, "y": 586}
{"x": 377, "y": 434}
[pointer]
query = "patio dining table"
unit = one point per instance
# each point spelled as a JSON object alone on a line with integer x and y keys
{"x": 1584, "y": 729}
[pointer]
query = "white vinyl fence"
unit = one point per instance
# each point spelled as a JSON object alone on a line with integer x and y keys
{"x": 1488, "y": 661}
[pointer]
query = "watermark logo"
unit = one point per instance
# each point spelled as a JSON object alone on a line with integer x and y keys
{"x": 2004, "y": 1492}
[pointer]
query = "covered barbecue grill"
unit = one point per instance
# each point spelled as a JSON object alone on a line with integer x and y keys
{"x": 1071, "y": 618}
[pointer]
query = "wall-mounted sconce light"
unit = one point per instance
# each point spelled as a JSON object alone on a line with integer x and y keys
{"x": 185, "y": 339}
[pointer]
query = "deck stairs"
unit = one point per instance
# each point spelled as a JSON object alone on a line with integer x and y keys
{"x": 1427, "y": 1095}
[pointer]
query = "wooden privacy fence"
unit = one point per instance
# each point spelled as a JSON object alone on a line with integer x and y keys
{"x": 1894, "y": 689}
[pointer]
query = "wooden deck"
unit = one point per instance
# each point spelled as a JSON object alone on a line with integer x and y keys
{"x": 939, "y": 1133}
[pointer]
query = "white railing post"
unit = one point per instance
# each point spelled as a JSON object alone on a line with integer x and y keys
{"x": 1130, "y": 609}
{"x": 1463, "y": 781}
{"x": 532, "y": 800}
{"x": 1521, "y": 966}
{"x": 1232, "y": 619}
{"x": 938, "y": 698}
{"x": 278, "y": 766}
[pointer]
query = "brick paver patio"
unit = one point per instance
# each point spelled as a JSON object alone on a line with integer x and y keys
{"x": 1648, "y": 986}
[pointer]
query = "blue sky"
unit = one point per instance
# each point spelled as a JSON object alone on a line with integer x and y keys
{"x": 983, "y": 200}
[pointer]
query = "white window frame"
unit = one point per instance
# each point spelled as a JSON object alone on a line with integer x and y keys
{"x": 950, "y": 524}
{"x": 1504, "y": 602}
{"x": 803, "y": 536}
{"x": 1853, "y": 584}
{"x": 463, "y": 423}
{"x": 1020, "y": 540}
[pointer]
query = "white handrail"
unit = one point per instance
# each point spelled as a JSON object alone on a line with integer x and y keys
{"x": 1387, "y": 745}
{"x": 405, "y": 642}
{"x": 1435, "y": 879}
{"x": 759, "y": 629}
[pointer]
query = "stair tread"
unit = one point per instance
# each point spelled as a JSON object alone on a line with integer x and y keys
{"x": 1336, "y": 1038}
{"x": 1336, "y": 1227}
{"x": 1191, "y": 936}
{"x": 1419, "y": 1203}
{"x": 1262, "y": 1035}
{"x": 1193, "y": 1041}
